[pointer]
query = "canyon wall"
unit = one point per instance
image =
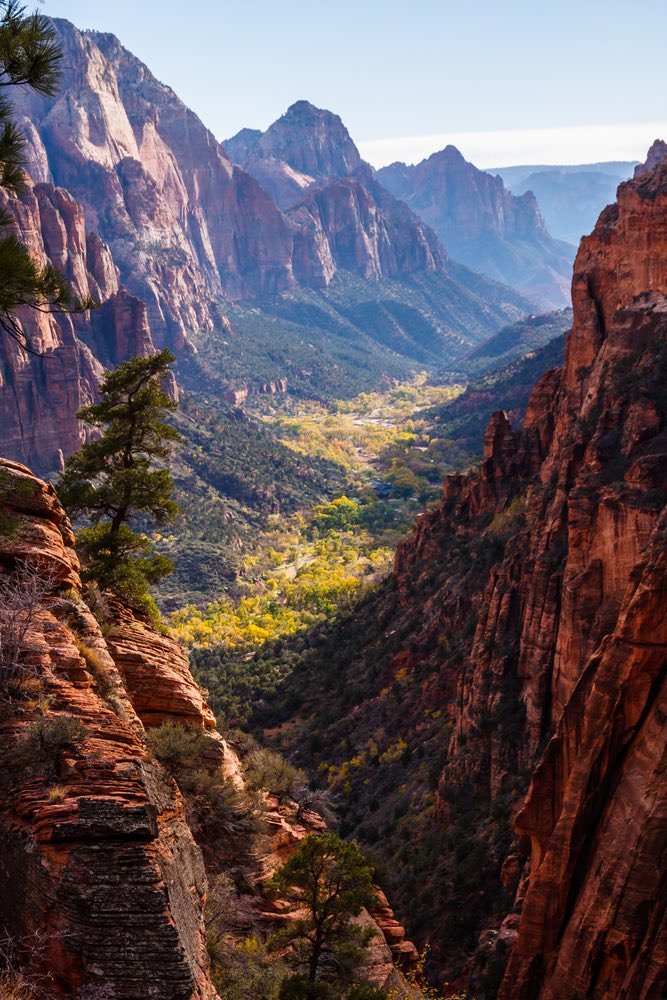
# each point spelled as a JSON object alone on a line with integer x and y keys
{"x": 484, "y": 225}
{"x": 520, "y": 647}
{"x": 134, "y": 199}
{"x": 569, "y": 621}
{"x": 105, "y": 861}
{"x": 41, "y": 390}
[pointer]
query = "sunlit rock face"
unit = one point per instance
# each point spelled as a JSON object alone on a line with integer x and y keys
{"x": 484, "y": 225}
{"x": 570, "y": 627}
{"x": 105, "y": 866}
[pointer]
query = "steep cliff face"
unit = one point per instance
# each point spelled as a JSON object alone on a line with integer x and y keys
{"x": 104, "y": 862}
{"x": 485, "y": 226}
{"x": 184, "y": 224}
{"x": 523, "y": 615}
{"x": 565, "y": 624}
{"x": 306, "y": 145}
{"x": 309, "y": 164}
{"x": 39, "y": 396}
{"x": 97, "y": 857}
{"x": 136, "y": 201}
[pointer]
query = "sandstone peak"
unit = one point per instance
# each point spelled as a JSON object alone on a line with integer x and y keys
{"x": 656, "y": 154}
{"x": 484, "y": 225}
{"x": 311, "y": 142}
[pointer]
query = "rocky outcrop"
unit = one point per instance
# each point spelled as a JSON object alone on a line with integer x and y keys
{"x": 484, "y": 225}
{"x": 566, "y": 622}
{"x": 40, "y": 395}
{"x": 305, "y": 146}
{"x": 369, "y": 235}
{"x": 137, "y": 203}
{"x": 184, "y": 224}
{"x": 98, "y": 861}
{"x": 523, "y": 638}
{"x": 104, "y": 863}
{"x": 656, "y": 154}
{"x": 309, "y": 164}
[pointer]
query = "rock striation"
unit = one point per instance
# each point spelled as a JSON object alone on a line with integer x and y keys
{"x": 569, "y": 620}
{"x": 523, "y": 637}
{"x": 484, "y": 225}
{"x": 141, "y": 207}
{"x": 39, "y": 396}
{"x": 310, "y": 166}
{"x": 104, "y": 862}
{"x": 305, "y": 146}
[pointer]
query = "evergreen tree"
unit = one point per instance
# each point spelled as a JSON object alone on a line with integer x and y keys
{"x": 29, "y": 57}
{"x": 329, "y": 879}
{"x": 113, "y": 481}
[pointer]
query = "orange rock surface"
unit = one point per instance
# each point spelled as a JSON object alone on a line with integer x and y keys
{"x": 102, "y": 880}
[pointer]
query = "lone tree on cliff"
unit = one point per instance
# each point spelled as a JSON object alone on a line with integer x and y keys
{"x": 29, "y": 57}
{"x": 328, "y": 880}
{"x": 113, "y": 480}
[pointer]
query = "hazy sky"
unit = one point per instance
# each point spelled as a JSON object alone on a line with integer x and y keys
{"x": 565, "y": 81}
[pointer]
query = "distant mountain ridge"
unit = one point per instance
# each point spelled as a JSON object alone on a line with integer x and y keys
{"x": 138, "y": 203}
{"x": 484, "y": 225}
{"x": 570, "y": 197}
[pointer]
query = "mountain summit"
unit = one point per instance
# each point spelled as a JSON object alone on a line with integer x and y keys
{"x": 305, "y": 145}
{"x": 484, "y": 225}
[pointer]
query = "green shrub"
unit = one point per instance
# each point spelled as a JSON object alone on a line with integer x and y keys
{"x": 216, "y": 800}
{"x": 171, "y": 743}
{"x": 269, "y": 771}
{"x": 245, "y": 969}
{"x": 47, "y": 738}
{"x": 366, "y": 991}
{"x": 301, "y": 988}
{"x": 98, "y": 668}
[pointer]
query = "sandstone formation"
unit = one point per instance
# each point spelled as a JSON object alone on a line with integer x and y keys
{"x": 104, "y": 865}
{"x": 39, "y": 396}
{"x": 570, "y": 621}
{"x": 523, "y": 636}
{"x": 484, "y": 225}
{"x": 104, "y": 870}
{"x": 310, "y": 166}
{"x": 305, "y": 146}
{"x": 184, "y": 224}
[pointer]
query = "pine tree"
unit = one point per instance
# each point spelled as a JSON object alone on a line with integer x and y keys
{"x": 329, "y": 880}
{"x": 30, "y": 56}
{"x": 113, "y": 481}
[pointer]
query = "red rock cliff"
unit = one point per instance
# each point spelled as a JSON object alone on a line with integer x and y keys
{"x": 39, "y": 396}
{"x": 522, "y": 637}
{"x": 103, "y": 861}
{"x": 572, "y": 620}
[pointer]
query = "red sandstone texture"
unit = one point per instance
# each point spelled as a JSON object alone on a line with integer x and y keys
{"x": 572, "y": 619}
{"x": 98, "y": 855}
{"x": 40, "y": 396}
{"x": 184, "y": 224}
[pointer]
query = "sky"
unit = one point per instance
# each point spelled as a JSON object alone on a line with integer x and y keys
{"x": 506, "y": 81}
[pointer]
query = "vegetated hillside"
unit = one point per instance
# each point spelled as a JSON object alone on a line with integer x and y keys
{"x": 507, "y": 388}
{"x": 235, "y": 475}
{"x": 514, "y": 341}
{"x": 355, "y": 336}
{"x": 484, "y": 225}
{"x": 232, "y": 475}
{"x": 393, "y": 449}
{"x": 136, "y": 841}
{"x": 570, "y": 197}
{"x": 520, "y": 645}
